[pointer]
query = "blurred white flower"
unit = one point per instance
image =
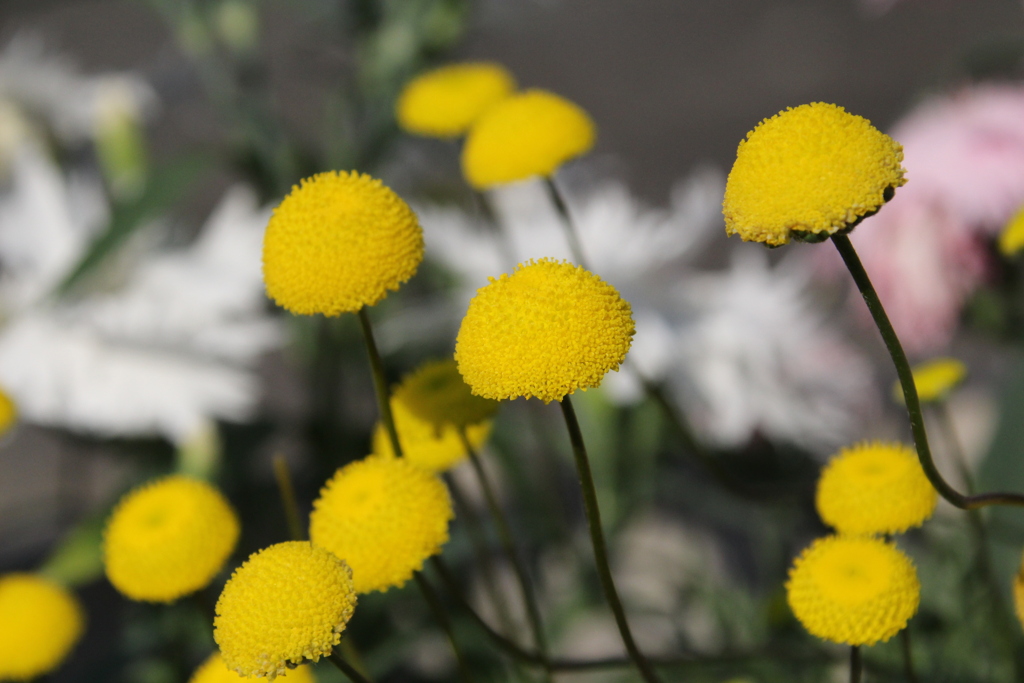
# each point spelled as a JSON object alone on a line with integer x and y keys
{"x": 172, "y": 347}
{"x": 756, "y": 357}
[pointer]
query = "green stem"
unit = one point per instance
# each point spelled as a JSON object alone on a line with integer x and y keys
{"x": 505, "y": 536}
{"x": 571, "y": 235}
{"x": 604, "y": 571}
{"x": 287, "y": 492}
{"x": 899, "y": 359}
{"x": 908, "y": 655}
{"x": 380, "y": 382}
{"x": 350, "y": 654}
{"x": 442, "y": 619}
{"x": 856, "y": 667}
{"x": 350, "y": 671}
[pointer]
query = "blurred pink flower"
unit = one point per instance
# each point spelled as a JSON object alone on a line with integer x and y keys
{"x": 925, "y": 250}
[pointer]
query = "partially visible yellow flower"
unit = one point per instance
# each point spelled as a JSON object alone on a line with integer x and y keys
{"x": 339, "y": 242}
{"x": 40, "y": 622}
{"x": 436, "y": 393}
{"x": 434, "y": 448}
{"x": 547, "y": 330}
{"x": 214, "y": 670}
{"x": 526, "y": 135}
{"x": 854, "y": 590}
{"x": 809, "y": 172}
{"x": 1018, "y": 594}
{"x": 8, "y": 412}
{"x": 875, "y": 488}
{"x": 445, "y": 102}
{"x": 1011, "y": 239}
{"x": 286, "y": 605}
{"x": 384, "y": 517}
{"x": 934, "y": 379}
{"x": 168, "y": 538}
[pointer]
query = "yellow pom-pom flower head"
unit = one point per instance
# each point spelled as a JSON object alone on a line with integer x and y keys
{"x": 168, "y": 538}
{"x": 853, "y": 590}
{"x": 547, "y": 330}
{"x": 432, "y": 447}
{"x": 934, "y": 379}
{"x": 40, "y": 622}
{"x": 526, "y": 135}
{"x": 214, "y": 670}
{"x": 436, "y": 393}
{"x": 384, "y": 517}
{"x": 286, "y": 605}
{"x": 875, "y": 488}
{"x": 445, "y": 102}
{"x": 809, "y": 172}
{"x": 338, "y": 242}
{"x": 1011, "y": 239}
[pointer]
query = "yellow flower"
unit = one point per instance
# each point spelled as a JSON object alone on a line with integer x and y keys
{"x": 934, "y": 379}
{"x": 445, "y": 102}
{"x": 40, "y": 622}
{"x": 1011, "y": 239}
{"x": 339, "y": 242}
{"x": 526, "y": 135}
{"x": 214, "y": 670}
{"x": 384, "y": 517}
{"x": 1018, "y": 594}
{"x": 424, "y": 445}
{"x": 436, "y": 393}
{"x": 853, "y": 590}
{"x": 875, "y": 488}
{"x": 547, "y": 330}
{"x": 809, "y": 172}
{"x": 8, "y": 412}
{"x": 168, "y": 538}
{"x": 287, "y": 604}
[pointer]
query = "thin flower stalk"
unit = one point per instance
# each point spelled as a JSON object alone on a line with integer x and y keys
{"x": 571, "y": 234}
{"x": 287, "y": 492}
{"x": 346, "y": 668}
{"x": 442, "y": 619}
{"x": 380, "y": 382}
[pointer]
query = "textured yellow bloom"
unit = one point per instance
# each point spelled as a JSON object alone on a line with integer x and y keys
{"x": 168, "y": 538}
{"x": 339, "y": 242}
{"x": 8, "y": 412}
{"x": 436, "y": 393}
{"x": 40, "y": 622}
{"x": 1011, "y": 239}
{"x": 214, "y": 670}
{"x": 445, "y": 102}
{"x": 526, "y": 135}
{"x": 547, "y": 330}
{"x": 384, "y": 517}
{"x": 809, "y": 172}
{"x": 934, "y": 379}
{"x": 853, "y": 590}
{"x": 434, "y": 448}
{"x": 875, "y": 488}
{"x": 287, "y": 604}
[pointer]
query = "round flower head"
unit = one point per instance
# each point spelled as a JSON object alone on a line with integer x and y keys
{"x": 875, "y": 488}
{"x": 40, "y": 622}
{"x": 168, "y": 538}
{"x": 1011, "y": 239}
{"x": 339, "y": 242}
{"x": 436, "y": 393}
{"x": 809, "y": 172}
{"x": 445, "y": 102}
{"x": 214, "y": 670}
{"x": 526, "y": 135}
{"x": 384, "y": 517}
{"x": 547, "y": 330}
{"x": 8, "y": 412}
{"x": 853, "y": 590}
{"x": 435, "y": 448}
{"x": 287, "y": 604}
{"x": 934, "y": 379}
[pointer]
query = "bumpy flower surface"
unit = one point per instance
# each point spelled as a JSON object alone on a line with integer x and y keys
{"x": 526, "y": 135}
{"x": 445, "y": 102}
{"x": 168, "y": 538}
{"x": 338, "y": 242}
{"x": 214, "y": 670}
{"x": 1011, "y": 239}
{"x": 40, "y": 622}
{"x": 8, "y": 412}
{"x": 853, "y": 590}
{"x": 809, "y": 172}
{"x": 934, "y": 379}
{"x": 436, "y": 393}
{"x": 875, "y": 488}
{"x": 547, "y": 330}
{"x": 287, "y": 604}
{"x": 432, "y": 447}
{"x": 384, "y": 517}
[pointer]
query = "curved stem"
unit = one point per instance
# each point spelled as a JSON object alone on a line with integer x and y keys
{"x": 346, "y": 668}
{"x": 604, "y": 571}
{"x": 899, "y": 359}
{"x": 571, "y": 236}
{"x": 380, "y": 382}
{"x": 442, "y": 619}
{"x": 505, "y": 536}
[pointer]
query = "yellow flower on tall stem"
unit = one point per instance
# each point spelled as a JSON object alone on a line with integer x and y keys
{"x": 40, "y": 621}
